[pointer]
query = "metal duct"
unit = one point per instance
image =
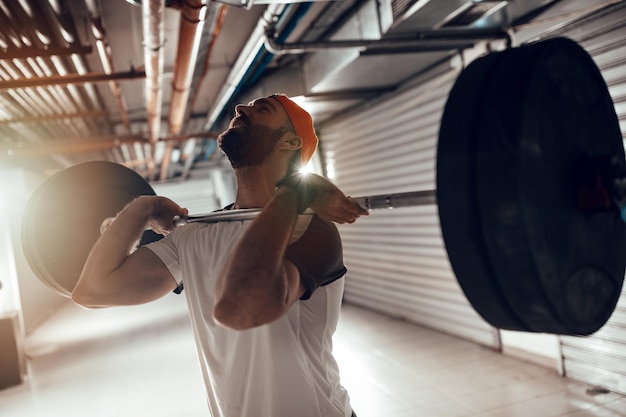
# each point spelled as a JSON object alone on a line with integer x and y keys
{"x": 436, "y": 40}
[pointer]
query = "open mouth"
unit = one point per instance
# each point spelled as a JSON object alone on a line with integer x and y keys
{"x": 237, "y": 122}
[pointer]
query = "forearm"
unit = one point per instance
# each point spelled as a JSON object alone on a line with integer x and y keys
{"x": 256, "y": 285}
{"x": 112, "y": 249}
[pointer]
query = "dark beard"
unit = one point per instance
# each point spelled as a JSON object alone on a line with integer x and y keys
{"x": 248, "y": 146}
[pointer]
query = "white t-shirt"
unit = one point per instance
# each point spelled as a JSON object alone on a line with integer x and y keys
{"x": 281, "y": 369}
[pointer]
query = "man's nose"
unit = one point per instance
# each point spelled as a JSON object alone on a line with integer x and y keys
{"x": 241, "y": 109}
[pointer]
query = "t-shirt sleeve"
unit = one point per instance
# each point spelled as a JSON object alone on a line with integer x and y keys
{"x": 167, "y": 251}
{"x": 318, "y": 255}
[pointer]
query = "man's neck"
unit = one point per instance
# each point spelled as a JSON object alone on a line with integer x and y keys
{"x": 255, "y": 186}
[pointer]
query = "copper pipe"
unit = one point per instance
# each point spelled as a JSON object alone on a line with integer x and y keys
{"x": 192, "y": 19}
{"x": 193, "y": 15}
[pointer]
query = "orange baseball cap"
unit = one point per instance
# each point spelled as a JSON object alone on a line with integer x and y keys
{"x": 303, "y": 125}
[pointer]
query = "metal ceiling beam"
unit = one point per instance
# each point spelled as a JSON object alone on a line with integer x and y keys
{"x": 87, "y": 144}
{"x": 69, "y": 79}
{"x": 75, "y": 145}
{"x": 37, "y": 119}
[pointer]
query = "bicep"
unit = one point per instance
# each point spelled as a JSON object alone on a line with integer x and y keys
{"x": 317, "y": 257}
{"x": 141, "y": 278}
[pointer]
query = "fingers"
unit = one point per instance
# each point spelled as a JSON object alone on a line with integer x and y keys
{"x": 332, "y": 204}
{"x": 344, "y": 210}
{"x": 165, "y": 211}
{"x": 357, "y": 208}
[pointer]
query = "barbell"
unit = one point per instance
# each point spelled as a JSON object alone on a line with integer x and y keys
{"x": 530, "y": 188}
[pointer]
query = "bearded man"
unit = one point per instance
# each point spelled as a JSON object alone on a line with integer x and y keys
{"x": 264, "y": 296}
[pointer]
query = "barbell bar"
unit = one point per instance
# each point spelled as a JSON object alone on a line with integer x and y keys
{"x": 530, "y": 184}
{"x": 380, "y": 201}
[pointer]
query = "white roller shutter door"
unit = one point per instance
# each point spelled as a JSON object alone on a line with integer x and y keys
{"x": 396, "y": 260}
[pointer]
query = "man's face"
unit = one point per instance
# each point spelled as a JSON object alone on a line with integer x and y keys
{"x": 253, "y": 132}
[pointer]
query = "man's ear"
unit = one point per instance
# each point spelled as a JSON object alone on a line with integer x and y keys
{"x": 291, "y": 142}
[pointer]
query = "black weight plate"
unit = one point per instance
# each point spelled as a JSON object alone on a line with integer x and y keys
{"x": 63, "y": 216}
{"x": 456, "y": 195}
{"x": 547, "y": 107}
{"x": 503, "y": 229}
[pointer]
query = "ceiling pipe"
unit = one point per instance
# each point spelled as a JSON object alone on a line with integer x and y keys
{"x": 421, "y": 41}
{"x": 103, "y": 47}
{"x": 153, "y": 12}
{"x": 193, "y": 15}
{"x": 288, "y": 27}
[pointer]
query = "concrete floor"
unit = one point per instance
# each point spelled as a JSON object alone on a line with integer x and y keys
{"x": 141, "y": 361}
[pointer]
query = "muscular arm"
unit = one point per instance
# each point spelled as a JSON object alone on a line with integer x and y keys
{"x": 259, "y": 284}
{"x": 113, "y": 277}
